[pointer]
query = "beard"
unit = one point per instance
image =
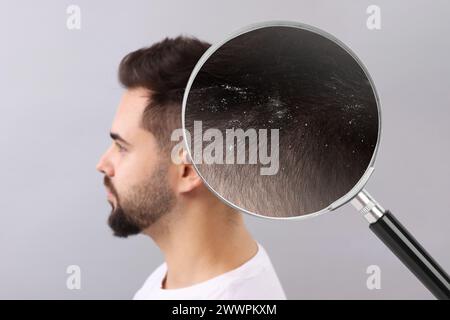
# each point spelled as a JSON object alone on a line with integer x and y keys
{"x": 142, "y": 205}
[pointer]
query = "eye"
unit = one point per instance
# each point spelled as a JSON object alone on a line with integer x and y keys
{"x": 120, "y": 147}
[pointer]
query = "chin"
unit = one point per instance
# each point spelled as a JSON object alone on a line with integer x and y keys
{"x": 121, "y": 224}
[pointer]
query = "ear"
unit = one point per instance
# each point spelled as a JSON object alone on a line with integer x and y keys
{"x": 187, "y": 178}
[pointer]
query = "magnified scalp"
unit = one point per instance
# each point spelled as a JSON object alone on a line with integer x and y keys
{"x": 309, "y": 88}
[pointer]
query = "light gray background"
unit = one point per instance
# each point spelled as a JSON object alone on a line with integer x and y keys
{"x": 59, "y": 94}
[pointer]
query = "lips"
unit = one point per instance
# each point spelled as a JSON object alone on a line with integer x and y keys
{"x": 109, "y": 194}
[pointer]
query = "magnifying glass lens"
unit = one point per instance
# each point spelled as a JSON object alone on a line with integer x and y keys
{"x": 281, "y": 121}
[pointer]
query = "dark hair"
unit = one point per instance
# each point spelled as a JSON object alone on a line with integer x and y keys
{"x": 314, "y": 92}
{"x": 164, "y": 69}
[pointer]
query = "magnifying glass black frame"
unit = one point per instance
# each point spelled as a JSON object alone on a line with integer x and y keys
{"x": 382, "y": 222}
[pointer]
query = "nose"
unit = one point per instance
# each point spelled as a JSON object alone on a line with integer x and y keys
{"x": 104, "y": 165}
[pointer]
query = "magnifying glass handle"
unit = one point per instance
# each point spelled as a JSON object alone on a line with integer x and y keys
{"x": 412, "y": 254}
{"x": 404, "y": 245}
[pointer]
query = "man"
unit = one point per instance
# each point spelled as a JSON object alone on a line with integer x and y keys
{"x": 209, "y": 253}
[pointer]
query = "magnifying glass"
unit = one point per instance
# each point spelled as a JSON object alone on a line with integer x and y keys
{"x": 281, "y": 120}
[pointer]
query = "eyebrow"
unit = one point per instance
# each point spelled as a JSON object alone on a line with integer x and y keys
{"x": 116, "y": 136}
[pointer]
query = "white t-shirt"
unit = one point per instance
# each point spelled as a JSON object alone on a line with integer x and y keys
{"x": 255, "y": 279}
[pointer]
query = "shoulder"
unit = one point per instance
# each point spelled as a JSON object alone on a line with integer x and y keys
{"x": 259, "y": 280}
{"x": 262, "y": 287}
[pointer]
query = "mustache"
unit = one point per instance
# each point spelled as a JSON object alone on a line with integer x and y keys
{"x": 108, "y": 184}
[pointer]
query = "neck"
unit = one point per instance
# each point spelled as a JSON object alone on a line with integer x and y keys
{"x": 201, "y": 239}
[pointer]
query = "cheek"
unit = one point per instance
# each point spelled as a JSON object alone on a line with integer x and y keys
{"x": 148, "y": 159}
{"x": 133, "y": 168}
{"x": 126, "y": 172}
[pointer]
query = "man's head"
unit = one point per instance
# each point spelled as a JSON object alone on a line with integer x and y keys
{"x": 143, "y": 183}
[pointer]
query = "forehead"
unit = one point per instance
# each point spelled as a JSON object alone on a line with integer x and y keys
{"x": 129, "y": 113}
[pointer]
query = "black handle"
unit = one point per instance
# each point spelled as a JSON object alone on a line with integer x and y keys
{"x": 412, "y": 254}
